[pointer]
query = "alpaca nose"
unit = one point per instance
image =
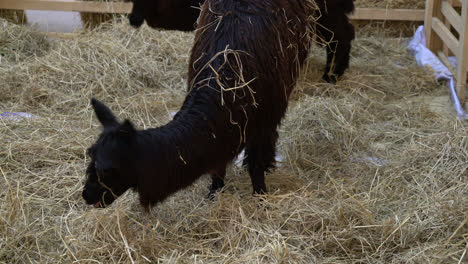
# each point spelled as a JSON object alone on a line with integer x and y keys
{"x": 136, "y": 21}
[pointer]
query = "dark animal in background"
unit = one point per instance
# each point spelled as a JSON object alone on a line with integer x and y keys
{"x": 335, "y": 31}
{"x": 246, "y": 58}
{"x": 333, "y": 27}
{"x": 166, "y": 14}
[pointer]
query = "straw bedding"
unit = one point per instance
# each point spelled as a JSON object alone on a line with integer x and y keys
{"x": 388, "y": 28}
{"x": 374, "y": 169}
{"x": 411, "y": 4}
{"x": 14, "y": 16}
{"x": 91, "y": 20}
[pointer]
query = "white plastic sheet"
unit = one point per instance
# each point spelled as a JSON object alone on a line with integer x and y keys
{"x": 424, "y": 57}
{"x": 16, "y": 115}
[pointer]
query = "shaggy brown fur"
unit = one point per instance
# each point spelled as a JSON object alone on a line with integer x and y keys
{"x": 243, "y": 67}
{"x": 166, "y": 14}
{"x": 333, "y": 27}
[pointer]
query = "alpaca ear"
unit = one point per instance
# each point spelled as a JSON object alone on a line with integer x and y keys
{"x": 104, "y": 114}
{"x": 127, "y": 128}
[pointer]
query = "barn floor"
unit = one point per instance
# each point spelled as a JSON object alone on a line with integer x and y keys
{"x": 374, "y": 169}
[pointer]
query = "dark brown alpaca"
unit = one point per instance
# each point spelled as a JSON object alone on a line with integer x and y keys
{"x": 166, "y": 14}
{"x": 333, "y": 25}
{"x": 243, "y": 67}
{"x": 337, "y": 33}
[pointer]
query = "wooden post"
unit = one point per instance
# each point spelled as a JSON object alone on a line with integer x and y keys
{"x": 387, "y": 14}
{"x": 433, "y": 41}
{"x": 445, "y": 49}
{"x": 440, "y": 18}
{"x": 462, "y": 56}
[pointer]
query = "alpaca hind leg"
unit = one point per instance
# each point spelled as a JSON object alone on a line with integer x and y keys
{"x": 260, "y": 158}
{"x": 341, "y": 58}
{"x": 217, "y": 182}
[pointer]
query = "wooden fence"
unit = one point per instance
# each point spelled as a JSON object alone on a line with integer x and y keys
{"x": 441, "y": 20}
{"x": 124, "y": 8}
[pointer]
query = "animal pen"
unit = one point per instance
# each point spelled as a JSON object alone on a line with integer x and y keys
{"x": 441, "y": 18}
{"x": 373, "y": 169}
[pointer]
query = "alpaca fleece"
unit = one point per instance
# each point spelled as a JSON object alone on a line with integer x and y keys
{"x": 244, "y": 63}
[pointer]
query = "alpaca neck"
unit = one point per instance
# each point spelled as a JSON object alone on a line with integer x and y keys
{"x": 179, "y": 153}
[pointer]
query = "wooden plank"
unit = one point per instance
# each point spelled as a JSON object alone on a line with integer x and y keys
{"x": 57, "y": 5}
{"x": 462, "y": 57}
{"x": 445, "y": 49}
{"x": 428, "y": 14}
{"x": 445, "y": 34}
{"x": 444, "y": 59}
{"x": 125, "y": 8}
{"x": 456, "y": 3}
{"x": 58, "y": 35}
{"x": 388, "y": 14}
{"x": 452, "y": 16}
{"x": 433, "y": 41}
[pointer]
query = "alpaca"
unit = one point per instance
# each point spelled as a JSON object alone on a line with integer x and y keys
{"x": 333, "y": 28}
{"x": 243, "y": 66}
{"x": 167, "y": 14}
{"x": 336, "y": 32}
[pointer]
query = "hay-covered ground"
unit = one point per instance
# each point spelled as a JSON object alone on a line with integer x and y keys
{"x": 92, "y": 20}
{"x": 410, "y": 4}
{"x": 374, "y": 168}
{"x": 389, "y": 28}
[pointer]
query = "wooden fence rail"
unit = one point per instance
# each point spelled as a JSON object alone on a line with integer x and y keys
{"x": 125, "y": 8}
{"x": 441, "y": 17}
{"x": 61, "y": 5}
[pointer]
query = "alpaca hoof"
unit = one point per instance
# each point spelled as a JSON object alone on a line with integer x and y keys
{"x": 330, "y": 78}
{"x": 260, "y": 191}
{"x": 211, "y": 195}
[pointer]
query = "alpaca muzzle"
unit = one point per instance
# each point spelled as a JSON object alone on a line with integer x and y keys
{"x": 135, "y": 20}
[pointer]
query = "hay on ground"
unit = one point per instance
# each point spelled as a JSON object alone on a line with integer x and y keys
{"x": 17, "y": 44}
{"x": 373, "y": 171}
{"x": 93, "y": 20}
{"x": 14, "y": 16}
{"x": 393, "y": 29}
{"x": 393, "y": 4}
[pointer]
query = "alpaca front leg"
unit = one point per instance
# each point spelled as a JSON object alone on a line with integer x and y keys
{"x": 260, "y": 158}
{"x": 217, "y": 182}
{"x": 337, "y": 61}
{"x": 257, "y": 175}
{"x": 338, "y": 48}
{"x": 329, "y": 73}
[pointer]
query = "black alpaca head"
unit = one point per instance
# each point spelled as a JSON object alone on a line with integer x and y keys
{"x": 109, "y": 172}
{"x": 166, "y": 14}
{"x": 140, "y": 10}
